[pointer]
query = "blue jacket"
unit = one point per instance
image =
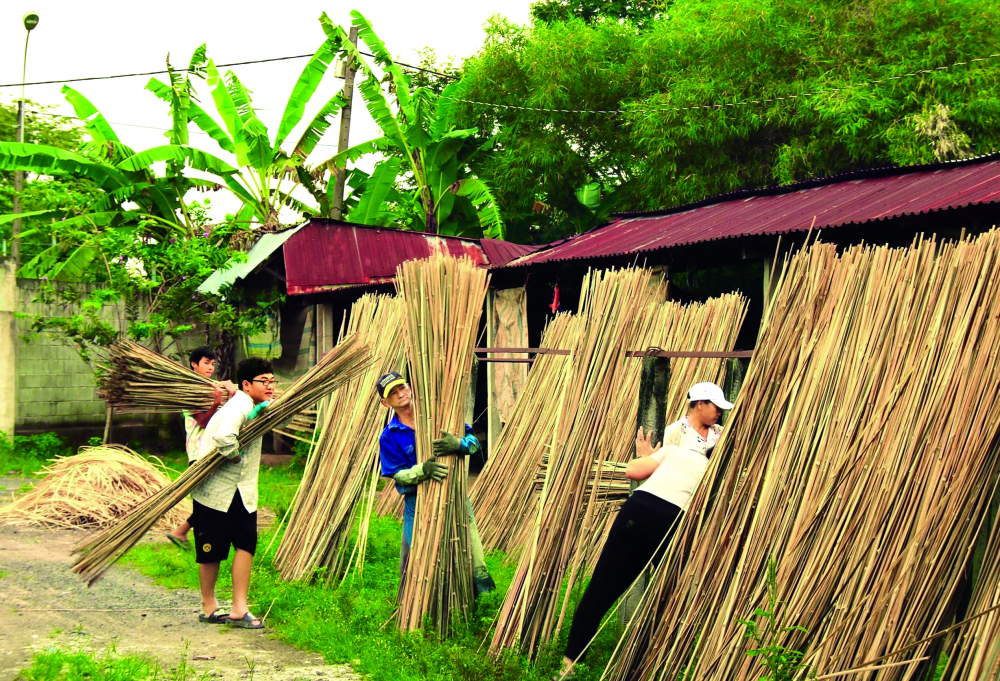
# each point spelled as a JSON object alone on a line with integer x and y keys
{"x": 397, "y": 449}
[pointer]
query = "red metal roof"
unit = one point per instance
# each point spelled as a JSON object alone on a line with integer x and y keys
{"x": 500, "y": 252}
{"x": 327, "y": 254}
{"x": 859, "y": 198}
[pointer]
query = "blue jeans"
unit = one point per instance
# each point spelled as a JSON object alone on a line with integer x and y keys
{"x": 409, "y": 509}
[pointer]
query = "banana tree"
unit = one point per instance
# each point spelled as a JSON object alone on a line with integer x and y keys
{"x": 425, "y": 179}
{"x": 266, "y": 173}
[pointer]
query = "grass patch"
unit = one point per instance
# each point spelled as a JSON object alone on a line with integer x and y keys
{"x": 353, "y": 622}
{"x": 28, "y": 453}
{"x": 108, "y": 666}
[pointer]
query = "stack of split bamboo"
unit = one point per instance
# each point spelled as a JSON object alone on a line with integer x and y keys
{"x": 498, "y": 497}
{"x": 442, "y": 299}
{"x": 338, "y": 485}
{"x": 93, "y": 488}
{"x": 100, "y": 551}
{"x": 136, "y": 379}
{"x": 617, "y": 305}
{"x": 850, "y": 461}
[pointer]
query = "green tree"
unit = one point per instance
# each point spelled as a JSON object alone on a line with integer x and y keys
{"x": 639, "y": 12}
{"x": 41, "y": 192}
{"x": 426, "y": 179}
{"x": 827, "y": 84}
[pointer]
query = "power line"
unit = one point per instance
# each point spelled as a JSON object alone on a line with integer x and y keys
{"x": 410, "y": 67}
{"x": 614, "y": 112}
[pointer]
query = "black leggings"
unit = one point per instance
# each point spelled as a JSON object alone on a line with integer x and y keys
{"x": 639, "y": 533}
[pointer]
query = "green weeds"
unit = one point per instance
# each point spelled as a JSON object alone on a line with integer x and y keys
{"x": 28, "y": 453}
{"x": 352, "y": 623}
{"x": 108, "y": 666}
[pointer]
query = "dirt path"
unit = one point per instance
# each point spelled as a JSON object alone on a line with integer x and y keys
{"x": 45, "y": 606}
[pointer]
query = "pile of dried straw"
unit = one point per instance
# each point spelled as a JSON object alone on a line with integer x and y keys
{"x": 91, "y": 489}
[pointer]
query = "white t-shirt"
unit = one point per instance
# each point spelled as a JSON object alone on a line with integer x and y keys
{"x": 682, "y": 463}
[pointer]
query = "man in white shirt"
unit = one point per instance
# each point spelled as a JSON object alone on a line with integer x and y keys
{"x": 225, "y": 504}
{"x": 642, "y": 528}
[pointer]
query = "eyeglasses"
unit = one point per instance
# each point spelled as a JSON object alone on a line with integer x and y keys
{"x": 268, "y": 382}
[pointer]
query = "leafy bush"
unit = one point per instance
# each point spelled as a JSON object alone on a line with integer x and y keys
{"x": 28, "y": 453}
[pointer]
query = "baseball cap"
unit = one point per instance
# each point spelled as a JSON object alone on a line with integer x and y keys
{"x": 711, "y": 392}
{"x": 387, "y": 382}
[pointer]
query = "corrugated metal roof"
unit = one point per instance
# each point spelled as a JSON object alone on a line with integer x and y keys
{"x": 499, "y": 253}
{"x": 853, "y": 199}
{"x": 327, "y": 254}
{"x": 265, "y": 246}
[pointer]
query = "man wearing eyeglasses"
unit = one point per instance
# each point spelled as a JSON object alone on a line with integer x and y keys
{"x": 225, "y": 504}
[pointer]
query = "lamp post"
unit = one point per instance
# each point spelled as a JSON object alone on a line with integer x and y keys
{"x": 30, "y": 21}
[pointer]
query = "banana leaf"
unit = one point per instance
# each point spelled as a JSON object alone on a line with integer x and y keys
{"x": 305, "y": 87}
{"x": 46, "y": 160}
{"x": 230, "y": 115}
{"x": 196, "y": 115}
{"x": 489, "y": 215}
{"x": 400, "y": 82}
{"x": 321, "y": 122}
{"x": 95, "y": 122}
{"x": 253, "y": 131}
{"x": 371, "y": 208}
{"x": 194, "y": 158}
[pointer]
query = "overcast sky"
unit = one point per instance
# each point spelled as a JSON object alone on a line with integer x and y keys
{"x": 109, "y": 37}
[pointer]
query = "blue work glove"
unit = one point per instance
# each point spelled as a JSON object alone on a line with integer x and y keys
{"x": 255, "y": 412}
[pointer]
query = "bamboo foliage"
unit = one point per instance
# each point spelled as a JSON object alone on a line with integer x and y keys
{"x": 101, "y": 550}
{"x": 336, "y": 490}
{"x": 442, "y": 299}
{"x": 849, "y": 459}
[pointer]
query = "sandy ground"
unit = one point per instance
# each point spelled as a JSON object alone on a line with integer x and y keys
{"x": 45, "y": 607}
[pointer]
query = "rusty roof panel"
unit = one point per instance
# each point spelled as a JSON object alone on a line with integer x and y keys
{"x": 328, "y": 253}
{"x": 499, "y": 253}
{"x": 853, "y": 199}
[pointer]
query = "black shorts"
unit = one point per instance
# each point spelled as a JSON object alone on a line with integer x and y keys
{"x": 215, "y": 531}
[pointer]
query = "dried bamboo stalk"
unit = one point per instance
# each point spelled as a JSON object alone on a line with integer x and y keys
{"x": 134, "y": 378}
{"x": 100, "y": 551}
{"x": 501, "y": 507}
{"x": 443, "y": 300}
{"x": 848, "y": 459}
{"x": 337, "y": 482}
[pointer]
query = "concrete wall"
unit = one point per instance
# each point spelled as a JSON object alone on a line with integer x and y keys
{"x": 8, "y": 363}
{"x": 55, "y": 387}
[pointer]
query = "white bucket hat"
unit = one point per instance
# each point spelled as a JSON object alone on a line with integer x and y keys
{"x": 710, "y": 392}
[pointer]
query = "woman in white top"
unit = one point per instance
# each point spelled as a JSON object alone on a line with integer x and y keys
{"x": 641, "y": 530}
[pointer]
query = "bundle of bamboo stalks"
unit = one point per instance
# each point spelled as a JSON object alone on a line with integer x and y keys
{"x": 91, "y": 489}
{"x": 138, "y": 380}
{"x": 338, "y": 484}
{"x": 498, "y": 497}
{"x": 504, "y": 513}
{"x": 615, "y": 305}
{"x": 100, "y": 551}
{"x": 974, "y": 653}
{"x": 389, "y": 502}
{"x": 850, "y": 461}
{"x": 442, "y": 300}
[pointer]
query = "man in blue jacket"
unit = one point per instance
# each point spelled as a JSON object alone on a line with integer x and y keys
{"x": 398, "y": 454}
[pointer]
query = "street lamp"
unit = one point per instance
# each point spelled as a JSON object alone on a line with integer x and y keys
{"x": 30, "y": 21}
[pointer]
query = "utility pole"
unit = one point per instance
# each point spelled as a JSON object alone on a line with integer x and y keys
{"x": 337, "y": 209}
{"x": 9, "y": 268}
{"x": 30, "y": 21}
